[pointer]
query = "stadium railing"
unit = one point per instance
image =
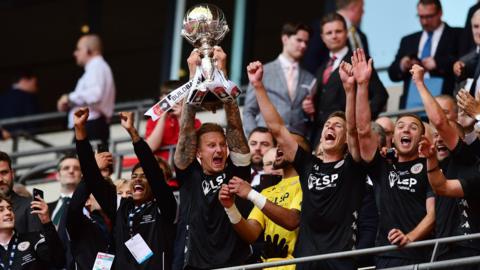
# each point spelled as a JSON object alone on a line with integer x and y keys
{"x": 376, "y": 250}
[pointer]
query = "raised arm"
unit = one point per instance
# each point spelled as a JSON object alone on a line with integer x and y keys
{"x": 154, "y": 140}
{"x": 187, "y": 140}
{"x": 161, "y": 191}
{"x": 273, "y": 120}
{"x": 438, "y": 181}
{"x": 362, "y": 71}
{"x": 104, "y": 192}
{"x": 435, "y": 113}
{"x": 346, "y": 75}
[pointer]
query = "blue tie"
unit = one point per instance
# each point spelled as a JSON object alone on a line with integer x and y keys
{"x": 427, "y": 48}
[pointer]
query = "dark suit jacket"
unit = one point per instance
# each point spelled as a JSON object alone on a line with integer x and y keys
{"x": 467, "y": 43}
{"x": 62, "y": 232}
{"x": 331, "y": 96}
{"x": 445, "y": 55}
{"x": 317, "y": 52}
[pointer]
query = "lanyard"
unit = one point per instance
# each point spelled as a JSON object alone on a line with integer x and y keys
{"x": 11, "y": 251}
{"x": 133, "y": 213}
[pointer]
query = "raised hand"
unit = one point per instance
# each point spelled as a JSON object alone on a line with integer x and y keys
{"x": 307, "y": 105}
{"x": 80, "y": 117}
{"x": 362, "y": 70}
{"x": 426, "y": 149}
{"x": 467, "y": 103}
{"x": 255, "y": 72}
{"x": 104, "y": 160}
{"x": 417, "y": 73}
{"x": 40, "y": 207}
{"x": 458, "y": 68}
{"x": 193, "y": 62}
{"x": 225, "y": 197}
{"x": 220, "y": 59}
{"x": 126, "y": 120}
{"x": 239, "y": 187}
{"x": 346, "y": 75}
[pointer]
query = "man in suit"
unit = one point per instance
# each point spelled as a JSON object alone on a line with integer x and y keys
{"x": 317, "y": 51}
{"x": 25, "y": 222}
{"x": 330, "y": 95}
{"x": 286, "y": 82}
{"x": 468, "y": 66}
{"x": 435, "y": 48}
{"x": 69, "y": 176}
{"x": 468, "y": 43}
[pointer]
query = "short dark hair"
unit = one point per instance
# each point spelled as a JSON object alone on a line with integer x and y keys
{"x": 169, "y": 86}
{"x": 290, "y": 28}
{"x": 6, "y": 158}
{"x": 23, "y": 73}
{"x": 340, "y": 4}
{"x": 337, "y": 114}
{"x": 136, "y": 166}
{"x": 431, "y": 2}
{"x": 66, "y": 156}
{"x": 5, "y": 198}
{"x": 263, "y": 130}
{"x": 332, "y": 17}
{"x": 208, "y": 127}
{"x": 403, "y": 115}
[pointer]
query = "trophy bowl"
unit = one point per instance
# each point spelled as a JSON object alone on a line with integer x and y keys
{"x": 204, "y": 26}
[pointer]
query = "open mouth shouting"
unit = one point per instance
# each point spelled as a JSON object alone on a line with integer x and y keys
{"x": 138, "y": 187}
{"x": 406, "y": 141}
{"x": 217, "y": 161}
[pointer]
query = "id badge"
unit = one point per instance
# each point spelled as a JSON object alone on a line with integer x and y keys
{"x": 103, "y": 261}
{"x": 139, "y": 248}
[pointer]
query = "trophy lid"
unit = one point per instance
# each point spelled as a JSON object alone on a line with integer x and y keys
{"x": 204, "y": 22}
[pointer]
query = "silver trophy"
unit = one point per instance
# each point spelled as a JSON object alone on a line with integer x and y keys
{"x": 205, "y": 26}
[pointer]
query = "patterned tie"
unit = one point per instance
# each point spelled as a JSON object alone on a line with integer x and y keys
{"x": 427, "y": 48}
{"x": 353, "y": 34}
{"x": 290, "y": 80}
{"x": 328, "y": 69}
{"x": 58, "y": 215}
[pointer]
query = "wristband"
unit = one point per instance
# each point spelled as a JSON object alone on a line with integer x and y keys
{"x": 434, "y": 169}
{"x": 257, "y": 199}
{"x": 233, "y": 214}
{"x": 239, "y": 159}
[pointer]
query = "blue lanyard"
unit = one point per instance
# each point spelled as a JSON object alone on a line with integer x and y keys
{"x": 133, "y": 213}
{"x": 11, "y": 250}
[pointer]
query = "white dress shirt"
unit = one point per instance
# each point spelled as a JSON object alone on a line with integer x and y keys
{"x": 286, "y": 63}
{"x": 95, "y": 89}
{"x": 437, "y": 34}
{"x": 60, "y": 203}
{"x": 339, "y": 57}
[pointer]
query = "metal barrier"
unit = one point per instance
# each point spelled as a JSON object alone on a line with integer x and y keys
{"x": 376, "y": 250}
{"x": 138, "y": 107}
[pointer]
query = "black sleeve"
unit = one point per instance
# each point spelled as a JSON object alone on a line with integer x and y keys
{"x": 75, "y": 217}
{"x": 161, "y": 191}
{"x": 475, "y": 147}
{"x": 471, "y": 184}
{"x": 377, "y": 94}
{"x": 394, "y": 71}
{"x": 104, "y": 192}
{"x": 301, "y": 163}
{"x": 51, "y": 250}
{"x": 375, "y": 167}
{"x": 464, "y": 154}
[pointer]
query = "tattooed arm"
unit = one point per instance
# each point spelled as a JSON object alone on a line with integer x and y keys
{"x": 187, "y": 139}
{"x": 236, "y": 140}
